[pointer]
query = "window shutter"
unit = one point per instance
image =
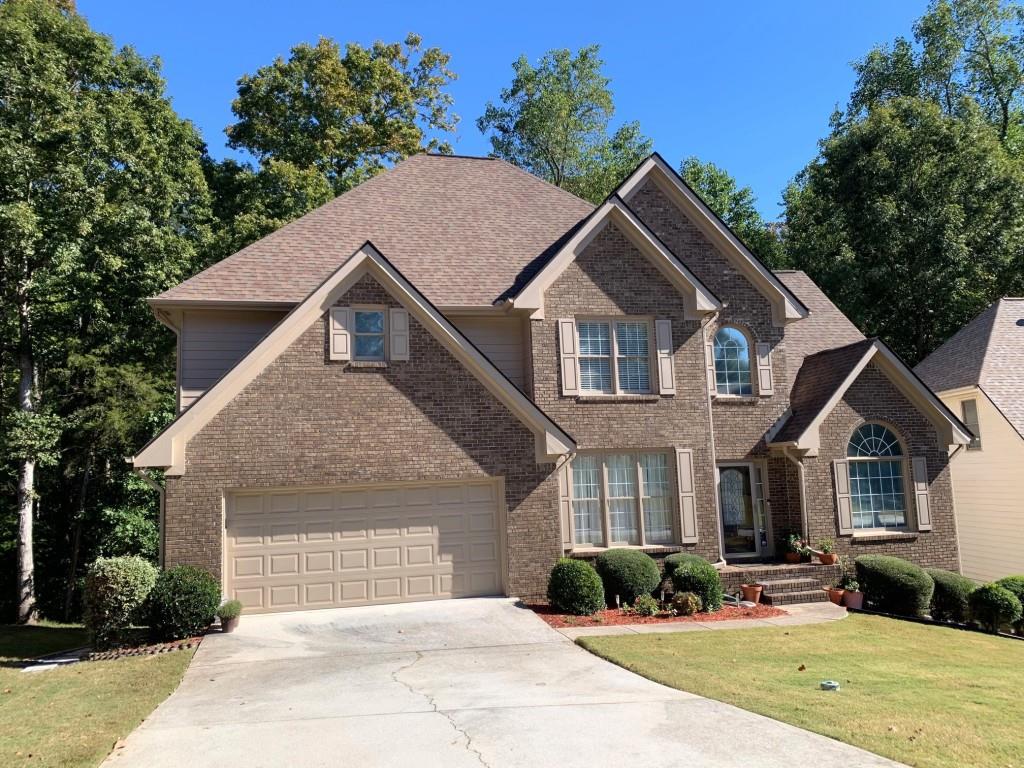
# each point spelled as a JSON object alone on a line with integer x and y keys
{"x": 569, "y": 356}
{"x": 687, "y": 496}
{"x": 565, "y": 503}
{"x": 399, "y": 331}
{"x": 709, "y": 362}
{"x": 844, "y": 505}
{"x": 340, "y": 338}
{"x": 919, "y": 465}
{"x": 764, "y": 369}
{"x": 666, "y": 360}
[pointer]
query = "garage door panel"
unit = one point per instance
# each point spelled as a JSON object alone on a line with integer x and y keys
{"x": 336, "y": 547}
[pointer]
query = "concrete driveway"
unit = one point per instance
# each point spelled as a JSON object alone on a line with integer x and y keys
{"x": 455, "y": 683}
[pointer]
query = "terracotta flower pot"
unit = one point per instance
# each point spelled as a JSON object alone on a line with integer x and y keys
{"x": 830, "y": 558}
{"x": 229, "y": 625}
{"x": 835, "y": 594}
{"x": 854, "y": 600}
{"x": 751, "y": 592}
{"x": 792, "y": 557}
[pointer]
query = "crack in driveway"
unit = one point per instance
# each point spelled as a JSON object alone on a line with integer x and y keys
{"x": 432, "y": 703}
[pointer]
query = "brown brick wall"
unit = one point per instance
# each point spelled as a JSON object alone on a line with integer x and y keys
{"x": 873, "y": 397}
{"x": 306, "y": 421}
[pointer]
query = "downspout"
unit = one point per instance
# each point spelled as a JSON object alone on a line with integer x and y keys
{"x": 711, "y": 439}
{"x": 148, "y": 480}
{"x": 956, "y": 522}
{"x": 803, "y": 490}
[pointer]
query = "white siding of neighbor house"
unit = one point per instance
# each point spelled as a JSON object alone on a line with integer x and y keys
{"x": 212, "y": 341}
{"x": 501, "y": 339}
{"x": 988, "y": 488}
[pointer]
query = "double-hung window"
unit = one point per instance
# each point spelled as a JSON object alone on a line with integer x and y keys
{"x": 614, "y": 356}
{"x": 368, "y": 332}
{"x": 622, "y": 499}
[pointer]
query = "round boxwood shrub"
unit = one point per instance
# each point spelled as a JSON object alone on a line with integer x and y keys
{"x": 686, "y": 603}
{"x": 700, "y": 577}
{"x": 673, "y": 561}
{"x": 949, "y": 600}
{"x": 115, "y": 589}
{"x": 1016, "y": 585}
{"x": 574, "y": 587}
{"x": 992, "y": 606}
{"x": 627, "y": 573}
{"x": 894, "y": 585}
{"x": 183, "y": 602}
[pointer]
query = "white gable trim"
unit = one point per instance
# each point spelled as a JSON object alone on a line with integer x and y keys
{"x": 786, "y": 307}
{"x": 700, "y": 299}
{"x": 951, "y": 431}
{"x": 168, "y": 448}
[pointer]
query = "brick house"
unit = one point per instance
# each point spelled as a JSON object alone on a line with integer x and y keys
{"x": 442, "y": 381}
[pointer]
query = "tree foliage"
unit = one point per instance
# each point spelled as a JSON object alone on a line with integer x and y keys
{"x": 553, "y": 121}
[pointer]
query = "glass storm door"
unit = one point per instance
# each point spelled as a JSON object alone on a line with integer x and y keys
{"x": 739, "y": 522}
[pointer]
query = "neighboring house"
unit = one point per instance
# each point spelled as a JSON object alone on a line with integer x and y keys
{"x": 979, "y": 374}
{"x": 445, "y": 379}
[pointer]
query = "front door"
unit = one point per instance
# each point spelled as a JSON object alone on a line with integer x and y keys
{"x": 737, "y": 498}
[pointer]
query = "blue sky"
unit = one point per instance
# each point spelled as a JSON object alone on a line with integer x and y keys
{"x": 747, "y": 85}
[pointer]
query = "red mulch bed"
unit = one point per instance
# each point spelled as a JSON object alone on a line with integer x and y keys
{"x": 613, "y": 616}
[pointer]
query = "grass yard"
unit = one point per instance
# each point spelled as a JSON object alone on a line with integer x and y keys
{"x": 926, "y": 696}
{"x": 72, "y": 717}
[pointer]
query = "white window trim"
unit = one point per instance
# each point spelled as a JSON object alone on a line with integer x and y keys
{"x": 610, "y": 321}
{"x": 909, "y": 516}
{"x": 356, "y": 308}
{"x": 605, "y": 508}
{"x": 751, "y": 363}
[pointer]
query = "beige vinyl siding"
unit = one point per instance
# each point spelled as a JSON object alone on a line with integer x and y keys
{"x": 988, "y": 487}
{"x": 212, "y": 341}
{"x": 501, "y": 339}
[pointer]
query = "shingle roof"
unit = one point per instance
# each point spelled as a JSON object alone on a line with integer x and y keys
{"x": 987, "y": 353}
{"x": 463, "y": 230}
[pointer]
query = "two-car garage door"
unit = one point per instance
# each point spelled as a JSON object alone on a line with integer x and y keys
{"x": 292, "y": 550}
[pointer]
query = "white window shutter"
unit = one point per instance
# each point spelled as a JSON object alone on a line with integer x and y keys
{"x": 398, "y": 327}
{"x": 844, "y": 505}
{"x": 765, "y": 386}
{"x": 709, "y": 362}
{"x": 338, "y": 330}
{"x": 687, "y": 496}
{"x": 565, "y": 503}
{"x": 666, "y": 360}
{"x": 919, "y": 466}
{"x": 569, "y": 357}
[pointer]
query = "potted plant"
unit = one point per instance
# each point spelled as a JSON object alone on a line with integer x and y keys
{"x": 835, "y": 593}
{"x": 228, "y": 615}
{"x": 795, "y": 548}
{"x": 853, "y": 597}
{"x": 751, "y": 592}
{"x": 826, "y": 552}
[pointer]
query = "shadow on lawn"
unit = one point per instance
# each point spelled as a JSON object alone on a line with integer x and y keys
{"x": 19, "y": 643}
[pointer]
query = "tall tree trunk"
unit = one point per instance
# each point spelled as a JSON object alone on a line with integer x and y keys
{"x": 26, "y": 472}
{"x": 76, "y": 538}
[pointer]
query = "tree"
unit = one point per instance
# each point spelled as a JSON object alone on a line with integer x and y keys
{"x": 911, "y": 220}
{"x": 553, "y": 122}
{"x": 736, "y": 206}
{"x": 102, "y": 203}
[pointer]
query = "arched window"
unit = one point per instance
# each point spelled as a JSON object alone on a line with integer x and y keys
{"x": 876, "y": 478}
{"x": 732, "y": 362}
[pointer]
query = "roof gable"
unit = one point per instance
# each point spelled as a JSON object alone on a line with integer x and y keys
{"x": 168, "y": 448}
{"x": 699, "y": 299}
{"x": 786, "y": 307}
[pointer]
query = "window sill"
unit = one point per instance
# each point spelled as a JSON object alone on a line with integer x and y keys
{"x": 736, "y": 399}
{"x": 368, "y": 364}
{"x": 648, "y": 398}
{"x": 650, "y": 549}
{"x": 881, "y": 536}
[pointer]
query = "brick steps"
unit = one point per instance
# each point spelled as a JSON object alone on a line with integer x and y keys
{"x": 788, "y": 598}
{"x": 784, "y": 584}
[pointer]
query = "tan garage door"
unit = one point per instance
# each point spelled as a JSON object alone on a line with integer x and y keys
{"x": 330, "y": 547}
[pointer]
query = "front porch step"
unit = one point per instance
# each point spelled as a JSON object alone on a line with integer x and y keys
{"x": 784, "y": 586}
{"x": 789, "y": 598}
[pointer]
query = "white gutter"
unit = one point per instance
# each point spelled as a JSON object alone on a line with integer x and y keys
{"x": 711, "y": 432}
{"x": 803, "y": 490}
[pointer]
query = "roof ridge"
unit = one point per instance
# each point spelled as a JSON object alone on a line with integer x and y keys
{"x": 535, "y": 177}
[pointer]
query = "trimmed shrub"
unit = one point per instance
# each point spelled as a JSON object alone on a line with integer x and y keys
{"x": 992, "y": 606}
{"x": 1016, "y": 585}
{"x": 183, "y": 602}
{"x": 894, "y": 585}
{"x": 702, "y": 579}
{"x": 949, "y": 600}
{"x": 627, "y": 573}
{"x": 574, "y": 587}
{"x": 115, "y": 589}
{"x": 232, "y": 609}
{"x": 645, "y": 605}
{"x": 686, "y": 603}
{"x": 673, "y": 561}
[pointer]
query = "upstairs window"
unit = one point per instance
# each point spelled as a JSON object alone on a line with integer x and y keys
{"x": 614, "y": 356}
{"x": 969, "y": 413}
{"x": 732, "y": 363}
{"x": 369, "y": 334}
{"x": 877, "y": 494}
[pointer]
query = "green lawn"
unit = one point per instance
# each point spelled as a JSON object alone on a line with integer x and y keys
{"x": 72, "y": 717}
{"x": 926, "y": 696}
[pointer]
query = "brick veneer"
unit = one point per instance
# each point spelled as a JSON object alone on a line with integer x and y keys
{"x": 306, "y": 421}
{"x": 873, "y": 397}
